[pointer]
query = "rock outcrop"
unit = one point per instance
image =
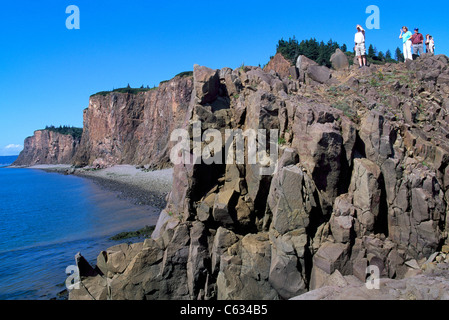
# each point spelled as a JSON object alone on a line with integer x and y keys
{"x": 281, "y": 66}
{"x": 360, "y": 179}
{"x": 47, "y": 147}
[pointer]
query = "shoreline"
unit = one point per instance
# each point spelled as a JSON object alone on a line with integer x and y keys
{"x": 143, "y": 189}
{"x": 126, "y": 181}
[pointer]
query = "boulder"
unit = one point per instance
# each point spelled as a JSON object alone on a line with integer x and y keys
{"x": 224, "y": 207}
{"x": 92, "y": 288}
{"x": 116, "y": 259}
{"x": 329, "y": 257}
{"x": 339, "y": 60}
{"x": 141, "y": 279}
{"x": 320, "y": 74}
{"x": 302, "y": 64}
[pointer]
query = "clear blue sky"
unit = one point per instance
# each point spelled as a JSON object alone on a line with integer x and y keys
{"x": 48, "y": 72}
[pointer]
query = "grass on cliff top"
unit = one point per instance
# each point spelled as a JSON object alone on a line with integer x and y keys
{"x": 124, "y": 90}
{"x": 130, "y": 90}
{"x": 142, "y": 233}
{"x": 181, "y": 75}
{"x": 76, "y": 133}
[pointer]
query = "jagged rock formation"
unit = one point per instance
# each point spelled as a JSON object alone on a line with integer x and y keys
{"x": 123, "y": 128}
{"x": 362, "y": 179}
{"x": 47, "y": 147}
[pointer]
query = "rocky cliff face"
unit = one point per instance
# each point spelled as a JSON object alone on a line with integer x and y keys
{"x": 122, "y": 128}
{"x": 47, "y": 147}
{"x": 362, "y": 180}
{"x": 119, "y": 128}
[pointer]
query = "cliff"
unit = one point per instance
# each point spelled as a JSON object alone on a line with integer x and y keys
{"x": 119, "y": 128}
{"x": 48, "y": 147}
{"x": 361, "y": 178}
{"x": 124, "y": 128}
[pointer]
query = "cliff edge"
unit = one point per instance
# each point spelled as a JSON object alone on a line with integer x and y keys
{"x": 48, "y": 147}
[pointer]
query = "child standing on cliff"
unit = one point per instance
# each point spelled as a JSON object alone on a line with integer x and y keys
{"x": 430, "y": 44}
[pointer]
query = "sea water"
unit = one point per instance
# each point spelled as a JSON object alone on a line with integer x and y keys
{"x": 46, "y": 219}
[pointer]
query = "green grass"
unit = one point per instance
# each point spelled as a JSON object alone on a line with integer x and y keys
{"x": 185, "y": 74}
{"x": 124, "y": 90}
{"x": 139, "y": 90}
{"x": 282, "y": 141}
{"x": 347, "y": 111}
{"x": 142, "y": 233}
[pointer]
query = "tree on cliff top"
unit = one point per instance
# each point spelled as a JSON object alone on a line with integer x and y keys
{"x": 321, "y": 52}
{"x": 76, "y": 133}
{"x": 318, "y": 52}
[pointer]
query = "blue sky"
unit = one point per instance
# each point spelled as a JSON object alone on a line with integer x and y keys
{"x": 48, "y": 72}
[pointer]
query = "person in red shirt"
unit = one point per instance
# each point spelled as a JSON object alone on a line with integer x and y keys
{"x": 417, "y": 43}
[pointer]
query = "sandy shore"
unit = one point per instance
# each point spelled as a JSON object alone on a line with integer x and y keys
{"x": 141, "y": 187}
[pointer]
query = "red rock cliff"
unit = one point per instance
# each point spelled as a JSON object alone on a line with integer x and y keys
{"x": 123, "y": 128}
{"x": 47, "y": 147}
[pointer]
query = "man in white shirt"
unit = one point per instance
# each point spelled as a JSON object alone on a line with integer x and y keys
{"x": 360, "y": 49}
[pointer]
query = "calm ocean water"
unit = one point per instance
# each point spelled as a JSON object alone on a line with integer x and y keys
{"x": 46, "y": 219}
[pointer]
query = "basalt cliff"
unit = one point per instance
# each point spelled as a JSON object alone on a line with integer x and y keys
{"x": 118, "y": 128}
{"x": 48, "y": 147}
{"x": 362, "y": 179}
{"x": 124, "y": 128}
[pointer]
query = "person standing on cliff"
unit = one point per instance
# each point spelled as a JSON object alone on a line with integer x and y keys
{"x": 407, "y": 43}
{"x": 360, "y": 48}
{"x": 417, "y": 43}
{"x": 430, "y": 44}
